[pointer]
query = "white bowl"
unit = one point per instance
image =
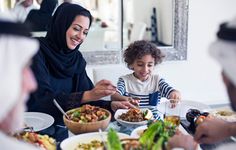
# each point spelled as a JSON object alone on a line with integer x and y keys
{"x": 72, "y": 142}
{"x": 137, "y": 132}
{"x": 127, "y": 123}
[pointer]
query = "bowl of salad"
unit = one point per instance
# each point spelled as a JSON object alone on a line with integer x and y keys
{"x": 87, "y": 119}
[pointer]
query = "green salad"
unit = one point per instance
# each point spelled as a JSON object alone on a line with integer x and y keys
{"x": 154, "y": 138}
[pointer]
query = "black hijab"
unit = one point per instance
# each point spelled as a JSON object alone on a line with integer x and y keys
{"x": 63, "y": 61}
{"x": 39, "y": 19}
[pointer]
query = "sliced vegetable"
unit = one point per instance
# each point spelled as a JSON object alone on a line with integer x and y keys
{"x": 113, "y": 142}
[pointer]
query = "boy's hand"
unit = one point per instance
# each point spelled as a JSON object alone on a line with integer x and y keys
{"x": 175, "y": 95}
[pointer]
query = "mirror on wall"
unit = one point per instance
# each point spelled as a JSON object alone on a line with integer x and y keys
{"x": 104, "y": 33}
{"x": 164, "y": 22}
{"x": 119, "y": 22}
{"x": 149, "y": 20}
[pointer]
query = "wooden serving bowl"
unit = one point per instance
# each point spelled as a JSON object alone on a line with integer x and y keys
{"x": 77, "y": 128}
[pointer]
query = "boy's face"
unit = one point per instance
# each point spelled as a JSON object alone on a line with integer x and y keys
{"x": 143, "y": 67}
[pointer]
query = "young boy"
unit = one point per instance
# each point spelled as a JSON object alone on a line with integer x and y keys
{"x": 142, "y": 86}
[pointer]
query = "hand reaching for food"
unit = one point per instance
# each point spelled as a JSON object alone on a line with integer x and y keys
{"x": 175, "y": 95}
{"x": 134, "y": 101}
{"x": 212, "y": 130}
{"x": 180, "y": 140}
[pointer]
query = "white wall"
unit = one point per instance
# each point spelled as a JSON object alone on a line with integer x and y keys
{"x": 199, "y": 77}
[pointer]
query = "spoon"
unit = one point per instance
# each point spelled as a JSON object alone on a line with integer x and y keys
{"x": 103, "y": 141}
{"x": 59, "y": 107}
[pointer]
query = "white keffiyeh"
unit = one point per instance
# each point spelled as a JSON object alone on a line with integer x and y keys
{"x": 15, "y": 53}
{"x": 224, "y": 51}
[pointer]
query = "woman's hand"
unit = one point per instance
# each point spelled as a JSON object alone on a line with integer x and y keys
{"x": 121, "y": 105}
{"x": 102, "y": 88}
{"x": 134, "y": 100}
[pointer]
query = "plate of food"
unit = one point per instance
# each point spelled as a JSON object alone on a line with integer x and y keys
{"x": 37, "y": 120}
{"x": 92, "y": 140}
{"x": 137, "y": 132}
{"x": 42, "y": 141}
{"x": 133, "y": 117}
{"x": 224, "y": 114}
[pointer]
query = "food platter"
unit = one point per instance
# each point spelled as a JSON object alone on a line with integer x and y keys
{"x": 224, "y": 114}
{"x": 39, "y": 121}
{"x": 72, "y": 142}
{"x": 127, "y": 123}
{"x": 38, "y": 140}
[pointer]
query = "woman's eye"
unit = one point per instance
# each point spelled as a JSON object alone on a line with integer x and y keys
{"x": 85, "y": 33}
{"x": 77, "y": 29}
{"x": 150, "y": 65}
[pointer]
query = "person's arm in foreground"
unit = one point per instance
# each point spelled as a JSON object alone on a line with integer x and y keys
{"x": 212, "y": 130}
{"x": 180, "y": 140}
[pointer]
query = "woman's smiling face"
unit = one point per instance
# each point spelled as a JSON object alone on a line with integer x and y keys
{"x": 77, "y": 31}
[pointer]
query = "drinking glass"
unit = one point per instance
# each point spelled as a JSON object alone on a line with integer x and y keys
{"x": 172, "y": 111}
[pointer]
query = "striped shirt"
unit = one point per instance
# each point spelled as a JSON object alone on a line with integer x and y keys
{"x": 149, "y": 91}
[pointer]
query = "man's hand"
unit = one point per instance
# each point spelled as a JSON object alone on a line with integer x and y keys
{"x": 212, "y": 130}
{"x": 180, "y": 140}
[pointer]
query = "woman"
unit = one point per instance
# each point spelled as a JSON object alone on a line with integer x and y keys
{"x": 39, "y": 19}
{"x": 60, "y": 68}
{"x": 16, "y": 79}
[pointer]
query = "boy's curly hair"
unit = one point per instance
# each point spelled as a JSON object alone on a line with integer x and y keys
{"x": 138, "y": 49}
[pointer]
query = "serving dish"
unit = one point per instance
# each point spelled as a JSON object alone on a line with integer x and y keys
{"x": 72, "y": 142}
{"x": 83, "y": 122}
{"x": 129, "y": 124}
{"x": 224, "y": 114}
{"x": 43, "y": 142}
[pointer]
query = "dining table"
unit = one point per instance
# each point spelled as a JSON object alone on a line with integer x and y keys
{"x": 184, "y": 127}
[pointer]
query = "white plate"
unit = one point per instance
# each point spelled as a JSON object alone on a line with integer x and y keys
{"x": 137, "y": 132}
{"x": 72, "y": 142}
{"x": 185, "y": 106}
{"x": 39, "y": 121}
{"x": 127, "y": 123}
{"x": 230, "y": 117}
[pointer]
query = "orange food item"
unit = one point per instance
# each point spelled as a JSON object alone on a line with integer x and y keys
{"x": 200, "y": 119}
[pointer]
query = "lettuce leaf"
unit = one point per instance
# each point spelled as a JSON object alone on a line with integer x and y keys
{"x": 113, "y": 141}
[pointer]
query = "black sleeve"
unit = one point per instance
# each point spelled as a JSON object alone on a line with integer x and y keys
{"x": 42, "y": 99}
